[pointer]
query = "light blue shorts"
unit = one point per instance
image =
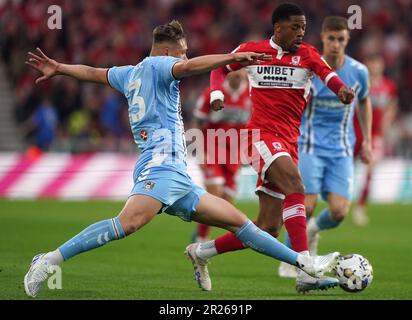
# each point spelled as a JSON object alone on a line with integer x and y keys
{"x": 327, "y": 174}
{"x": 176, "y": 190}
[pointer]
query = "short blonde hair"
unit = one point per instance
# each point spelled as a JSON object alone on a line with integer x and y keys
{"x": 335, "y": 23}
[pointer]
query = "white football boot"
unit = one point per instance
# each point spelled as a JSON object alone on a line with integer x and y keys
{"x": 200, "y": 267}
{"x": 286, "y": 270}
{"x": 316, "y": 266}
{"x": 305, "y": 282}
{"x": 38, "y": 273}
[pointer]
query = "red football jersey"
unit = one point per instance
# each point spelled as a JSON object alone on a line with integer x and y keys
{"x": 235, "y": 114}
{"x": 382, "y": 93}
{"x": 280, "y": 88}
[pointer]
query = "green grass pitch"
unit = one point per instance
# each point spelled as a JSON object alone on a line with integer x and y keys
{"x": 151, "y": 265}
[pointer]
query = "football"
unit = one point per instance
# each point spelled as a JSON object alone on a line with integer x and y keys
{"x": 354, "y": 273}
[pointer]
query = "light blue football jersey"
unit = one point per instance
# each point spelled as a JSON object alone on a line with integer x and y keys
{"x": 327, "y": 124}
{"x": 155, "y": 117}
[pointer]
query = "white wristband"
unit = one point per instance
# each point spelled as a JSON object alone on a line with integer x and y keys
{"x": 216, "y": 95}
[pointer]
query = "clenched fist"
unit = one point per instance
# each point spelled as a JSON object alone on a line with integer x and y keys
{"x": 346, "y": 95}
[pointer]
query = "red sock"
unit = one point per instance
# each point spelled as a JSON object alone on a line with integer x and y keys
{"x": 294, "y": 218}
{"x": 228, "y": 242}
{"x": 365, "y": 192}
{"x": 202, "y": 230}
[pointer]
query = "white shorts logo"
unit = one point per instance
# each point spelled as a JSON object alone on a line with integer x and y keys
{"x": 277, "y": 146}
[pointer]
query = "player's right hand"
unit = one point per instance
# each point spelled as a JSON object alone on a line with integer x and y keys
{"x": 346, "y": 95}
{"x": 248, "y": 58}
{"x": 217, "y": 105}
{"x": 41, "y": 62}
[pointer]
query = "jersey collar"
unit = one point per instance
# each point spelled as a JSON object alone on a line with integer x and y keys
{"x": 279, "y": 49}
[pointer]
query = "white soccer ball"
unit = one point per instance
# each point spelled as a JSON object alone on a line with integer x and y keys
{"x": 354, "y": 272}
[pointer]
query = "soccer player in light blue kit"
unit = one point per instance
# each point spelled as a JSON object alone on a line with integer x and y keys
{"x": 161, "y": 182}
{"x": 327, "y": 137}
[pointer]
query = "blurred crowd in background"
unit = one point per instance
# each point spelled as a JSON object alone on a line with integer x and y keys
{"x": 65, "y": 115}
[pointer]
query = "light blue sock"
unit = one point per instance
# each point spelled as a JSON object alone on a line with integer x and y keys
{"x": 287, "y": 240}
{"x": 325, "y": 221}
{"x": 92, "y": 237}
{"x": 263, "y": 242}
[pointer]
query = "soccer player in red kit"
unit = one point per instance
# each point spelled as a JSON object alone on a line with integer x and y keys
{"x": 383, "y": 94}
{"x": 279, "y": 90}
{"x": 221, "y": 132}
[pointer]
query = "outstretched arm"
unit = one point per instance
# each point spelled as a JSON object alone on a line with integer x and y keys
{"x": 207, "y": 63}
{"x": 330, "y": 78}
{"x": 365, "y": 121}
{"x": 50, "y": 68}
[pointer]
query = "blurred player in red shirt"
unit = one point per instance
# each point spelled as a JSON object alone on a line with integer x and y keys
{"x": 220, "y": 178}
{"x": 280, "y": 91}
{"x": 383, "y": 94}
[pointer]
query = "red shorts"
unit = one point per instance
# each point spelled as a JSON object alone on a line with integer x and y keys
{"x": 262, "y": 152}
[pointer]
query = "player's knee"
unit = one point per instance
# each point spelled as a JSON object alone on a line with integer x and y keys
{"x": 293, "y": 184}
{"x": 131, "y": 222}
{"x": 131, "y": 227}
{"x": 339, "y": 212}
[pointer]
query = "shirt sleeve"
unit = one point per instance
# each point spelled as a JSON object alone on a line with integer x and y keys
{"x": 236, "y": 65}
{"x": 118, "y": 77}
{"x": 319, "y": 66}
{"x": 164, "y": 66}
{"x": 364, "y": 83}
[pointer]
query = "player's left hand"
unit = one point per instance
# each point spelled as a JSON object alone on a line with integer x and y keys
{"x": 41, "y": 62}
{"x": 249, "y": 58}
{"x": 346, "y": 95}
{"x": 366, "y": 152}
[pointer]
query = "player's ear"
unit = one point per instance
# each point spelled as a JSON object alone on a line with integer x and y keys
{"x": 276, "y": 27}
{"x": 322, "y": 37}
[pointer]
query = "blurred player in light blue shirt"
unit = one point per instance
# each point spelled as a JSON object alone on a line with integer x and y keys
{"x": 161, "y": 183}
{"x": 327, "y": 137}
{"x": 327, "y": 124}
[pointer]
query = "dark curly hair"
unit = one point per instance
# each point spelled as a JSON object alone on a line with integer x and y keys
{"x": 284, "y": 11}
